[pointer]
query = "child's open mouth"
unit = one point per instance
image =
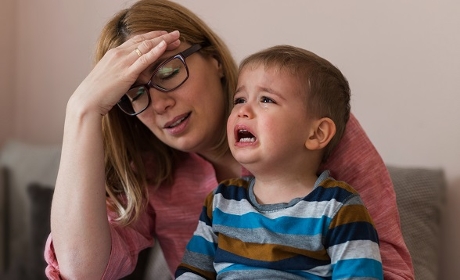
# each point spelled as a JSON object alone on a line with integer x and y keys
{"x": 245, "y": 136}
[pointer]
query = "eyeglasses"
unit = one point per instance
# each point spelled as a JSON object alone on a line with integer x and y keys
{"x": 168, "y": 76}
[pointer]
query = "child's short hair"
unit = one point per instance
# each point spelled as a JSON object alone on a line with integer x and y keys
{"x": 326, "y": 89}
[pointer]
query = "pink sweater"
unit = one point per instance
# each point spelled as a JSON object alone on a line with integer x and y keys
{"x": 172, "y": 213}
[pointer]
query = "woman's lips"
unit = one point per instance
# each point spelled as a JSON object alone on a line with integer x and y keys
{"x": 178, "y": 124}
{"x": 178, "y": 120}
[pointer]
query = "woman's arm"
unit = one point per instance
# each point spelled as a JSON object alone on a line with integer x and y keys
{"x": 126, "y": 244}
{"x": 198, "y": 260}
{"x": 79, "y": 224}
{"x": 357, "y": 162}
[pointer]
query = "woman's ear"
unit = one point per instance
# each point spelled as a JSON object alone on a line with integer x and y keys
{"x": 218, "y": 65}
{"x": 321, "y": 133}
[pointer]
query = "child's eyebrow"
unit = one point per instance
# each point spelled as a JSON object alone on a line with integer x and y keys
{"x": 271, "y": 91}
{"x": 239, "y": 89}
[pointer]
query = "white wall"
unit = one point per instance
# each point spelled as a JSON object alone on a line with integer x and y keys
{"x": 402, "y": 60}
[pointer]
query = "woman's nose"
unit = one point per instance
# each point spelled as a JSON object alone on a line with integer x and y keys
{"x": 161, "y": 101}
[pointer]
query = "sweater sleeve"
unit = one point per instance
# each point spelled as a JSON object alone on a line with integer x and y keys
{"x": 198, "y": 260}
{"x": 352, "y": 242}
{"x": 127, "y": 242}
{"x": 356, "y": 161}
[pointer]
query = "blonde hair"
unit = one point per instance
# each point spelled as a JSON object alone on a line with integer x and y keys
{"x": 127, "y": 140}
{"x": 327, "y": 92}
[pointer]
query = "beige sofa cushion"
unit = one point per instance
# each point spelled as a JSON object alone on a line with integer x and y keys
{"x": 420, "y": 194}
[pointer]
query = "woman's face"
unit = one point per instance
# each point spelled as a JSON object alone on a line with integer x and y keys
{"x": 191, "y": 117}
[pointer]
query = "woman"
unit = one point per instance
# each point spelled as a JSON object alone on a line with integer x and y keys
{"x": 148, "y": 155}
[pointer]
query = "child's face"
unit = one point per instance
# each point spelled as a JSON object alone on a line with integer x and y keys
{"x": 269, "y": 122}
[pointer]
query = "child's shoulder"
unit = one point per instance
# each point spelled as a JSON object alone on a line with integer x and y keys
{"x": 333, "y": 183}
{"x": 326, "y": 181}
{"x": 234, "y": 187}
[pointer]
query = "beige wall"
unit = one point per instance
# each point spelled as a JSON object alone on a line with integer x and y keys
{"x": 54, "y": 48}
{"x": 402, "y": 59}
{"x": 7, "y": 68}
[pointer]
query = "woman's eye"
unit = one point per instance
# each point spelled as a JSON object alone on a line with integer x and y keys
{"x": 135, "y": 93}
{"x": 165, "y": 73}
{"x": 265, "y": 99}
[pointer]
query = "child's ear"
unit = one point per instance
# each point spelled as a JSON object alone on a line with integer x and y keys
{"x": 321, "y": 133}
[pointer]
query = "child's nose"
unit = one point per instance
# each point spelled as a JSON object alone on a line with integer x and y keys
{"x": 245, "y": 111}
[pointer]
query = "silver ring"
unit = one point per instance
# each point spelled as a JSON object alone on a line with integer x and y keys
{"x": 139, "y": 53}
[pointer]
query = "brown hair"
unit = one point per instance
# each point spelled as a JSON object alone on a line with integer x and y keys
{"x": 327, "y": 91}
{"x": 126, "y": 139}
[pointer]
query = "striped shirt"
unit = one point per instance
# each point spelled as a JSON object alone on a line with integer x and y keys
{"x": 327, "y": 234}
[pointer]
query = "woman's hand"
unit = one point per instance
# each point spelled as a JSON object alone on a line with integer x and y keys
{"x": 119, "y": 69}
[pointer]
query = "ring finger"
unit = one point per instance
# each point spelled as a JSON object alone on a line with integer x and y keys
{"x": 148, "y": 42}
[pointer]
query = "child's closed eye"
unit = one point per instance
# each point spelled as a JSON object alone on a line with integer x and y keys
{"x": 238, "y": 100}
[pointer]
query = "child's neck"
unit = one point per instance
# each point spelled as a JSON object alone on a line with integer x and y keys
{"x": 283, "y": 189}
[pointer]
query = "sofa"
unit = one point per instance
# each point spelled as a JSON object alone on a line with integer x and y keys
{"x": 27, "y": 176}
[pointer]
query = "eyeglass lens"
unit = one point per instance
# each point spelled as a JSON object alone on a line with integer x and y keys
{"x": 167, "y": 77}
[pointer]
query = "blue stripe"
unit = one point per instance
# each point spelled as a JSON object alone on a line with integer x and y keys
{"x": 232, "y": 192}
{"x": 235, "y": 192}
{"x": 282, "y": 225}
{"x": 326, "y": 194}
{"x": 350, "y": 232}
{"x": 358, "y": 268}
{"x": 200, "y": 245}
{"x": 204, "y": 217}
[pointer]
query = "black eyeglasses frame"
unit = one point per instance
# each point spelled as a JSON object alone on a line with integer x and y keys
{"x": 181, "y": 56}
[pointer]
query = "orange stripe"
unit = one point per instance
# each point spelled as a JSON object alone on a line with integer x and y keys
{"x": 329, "y": 183}
{"x": 266, "y": 252}
{"x": 351, "y": 214}
{"x": 206, "y": 274}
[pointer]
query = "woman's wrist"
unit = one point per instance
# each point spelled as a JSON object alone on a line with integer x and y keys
{"x": 79, "y": 109}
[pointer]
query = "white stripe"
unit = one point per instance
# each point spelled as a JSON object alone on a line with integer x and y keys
{"x": 314, "y": 209}
{"x": 355, "y": 249}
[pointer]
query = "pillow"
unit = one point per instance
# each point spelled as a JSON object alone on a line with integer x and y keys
{"x": 40, "y": 198}
{"x": 420, "y": 194}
